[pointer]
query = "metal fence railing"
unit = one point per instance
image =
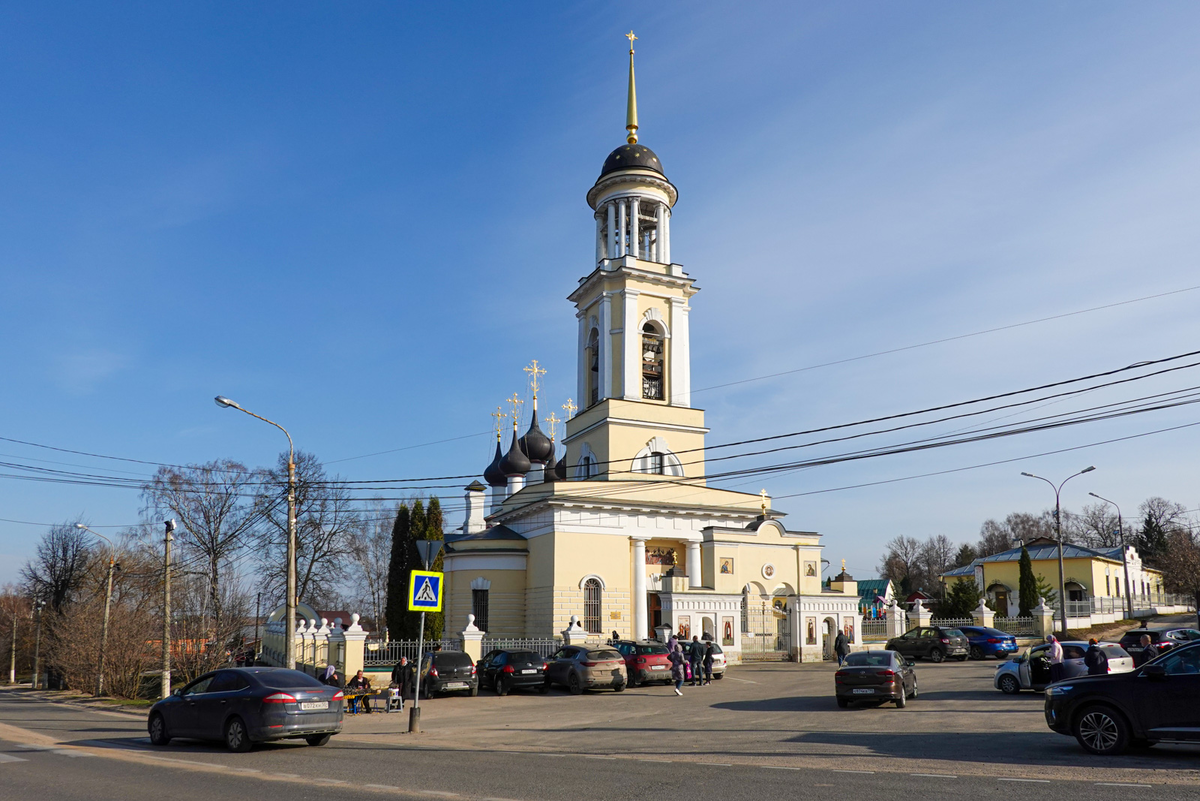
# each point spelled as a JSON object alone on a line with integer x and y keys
{"x": 389, "y": 653}
{"x": 1020, "y": 626}
{"x": 542, "y": 646}
{"x": 950, "y": 622}
{"x": 876, "y": 629}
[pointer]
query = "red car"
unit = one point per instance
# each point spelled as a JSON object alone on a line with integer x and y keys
{"x": 644, "y": 661}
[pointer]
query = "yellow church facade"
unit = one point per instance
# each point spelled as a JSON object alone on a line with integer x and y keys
{"x": 621, "y": 531}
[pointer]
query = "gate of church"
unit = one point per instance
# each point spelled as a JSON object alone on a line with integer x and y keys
{"x": 766, "y": 637}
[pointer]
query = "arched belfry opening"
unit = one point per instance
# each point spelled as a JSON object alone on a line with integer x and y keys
{"x": 654, "y": 359}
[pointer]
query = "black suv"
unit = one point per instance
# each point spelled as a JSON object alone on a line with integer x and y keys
{"x": 1162, "y": 639}
{"x": 935, "y": 642}
{"x": 509, "y": 670}
{"x": 447, "y": 672}
{"x": 1160, "y": 701}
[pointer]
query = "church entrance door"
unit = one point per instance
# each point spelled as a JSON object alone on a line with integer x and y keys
{"x": 654, "y": 605}
{"x": 768, "y": 637}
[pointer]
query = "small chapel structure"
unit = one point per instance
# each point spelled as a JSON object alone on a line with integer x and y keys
{"x": 619, "y": 527}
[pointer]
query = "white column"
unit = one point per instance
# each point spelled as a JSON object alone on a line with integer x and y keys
{"x": 621, "y": 229}
{"x": 641, "y": 608}
{"x": 695, "y": 577}
{"x": 612, "y": 230}
{"x": 660, "y": 215}
{"x": 515, "y": 484}
{"x": 679, "y": 356}
{"x": 582, "y": 360}
{"x": 605, "y": 362}
{"x": 599, "y": 237}
{"x": 631, "y": 368}
{"x": 664, "y": 236}
{"x": 634, "y": 241}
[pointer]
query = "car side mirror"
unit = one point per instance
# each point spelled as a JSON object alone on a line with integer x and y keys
{"x": 910, "y": 663}
{"x": 1154, "y": 672}
{"x": 177, "y": 692}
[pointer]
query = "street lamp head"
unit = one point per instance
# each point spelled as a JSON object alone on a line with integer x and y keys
{"x": 1029, "y": 475}
{"x": 1087, "y": 469}
{"x": 80, "y": 525}
{"x": 225, "y": 403}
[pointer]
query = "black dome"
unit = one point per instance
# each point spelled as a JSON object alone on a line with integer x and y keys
{"x": 515, "y": 462}
{"x": 535, "y": 444}
{"x": 550, "y": 474}
{"x": 628, "y": 157}
{"x": 493, "y": 475}
{"x": 560, "y": 469}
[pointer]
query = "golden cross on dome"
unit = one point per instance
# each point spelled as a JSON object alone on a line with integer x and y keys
{"x": 843, "y": 565}
{"x": 515, "y": 402}
{"x": 764, "y": 500}
{"x": 630, "y": 37}
{"x": 552, "y": 421}
{"x": 499, "y": 415}
{"x": 535, "y": 373}
{"x": 570, "y": 408}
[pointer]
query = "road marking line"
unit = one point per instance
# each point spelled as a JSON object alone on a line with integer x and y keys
{"x": 68, "y": 753}
{"x": 35, "y": 747}
{"x": 647, "y": 759}
{"x": 245, "y": 770}
{"x": 836, "y": 770}
{"x": 329, "y": 781}
{"x": 285, "y": 775}
{"x": 381, "y": 787}
{"x": 442, "y": 793}
{"x": 1036, "y": 781}
{"x": 744, "y": 681}
{"x": 718, "y": 764}
{"x": 778, "y": 767}
{"x": 1121, "y": 784}
{"x": 10, "y": 758}
{"x": 594, "y": 756}
{"x": 935, "y": 775}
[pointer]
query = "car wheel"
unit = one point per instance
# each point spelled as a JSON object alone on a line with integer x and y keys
{"x": 936, "y": 655}
{"x": 1101, "y": 730}
{"x": 574, "y": 684}
{"x": 842, "y": 702}
{"x": 619, "y": 687}
{"x": 914, "y": 692}
{"x": 902, "y": 699}
{"x": 237, "y": 739}
{"x": 158, "y": 730}
{"x": 1009, "y": 685}
{"x": 545, "y": 688}
{"x": 474, "y": 691}
{"x": 961, "y": 658}
{"x": 718, "y": 676}
{"x": 501, "y": 688}
{"x": 976, "y": 652}
{"x": 317, "y": 739}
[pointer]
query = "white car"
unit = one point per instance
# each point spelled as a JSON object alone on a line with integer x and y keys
{"x": 1031, "y": 670}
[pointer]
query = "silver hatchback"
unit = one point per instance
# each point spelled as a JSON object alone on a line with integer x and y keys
{"x": 1031, "y": 670}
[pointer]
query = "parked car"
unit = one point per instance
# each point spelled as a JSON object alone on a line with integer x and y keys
{"x": 875, "y": 676}
{"x": 243, "y": 706}
{"x": 719, "y": 662}
{"x": 933, "y": 642}
{"x": 1031, "y": 670}
{"x": 447, "y": 672}
{"x": 511, "y": 670}
{"x": 644, "y": 661}
{"x": 584, "y": 667}
{"x": 1163, "y": 639}
{"x": 1158, "y": 702}
{"x": 983, "y": 642}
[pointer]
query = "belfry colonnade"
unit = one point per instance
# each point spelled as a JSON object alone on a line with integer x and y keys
{"x": 636, "y": 226}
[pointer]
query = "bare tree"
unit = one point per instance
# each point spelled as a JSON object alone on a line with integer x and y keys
{"x": 901, "y": 562}
{"x": 370, "y": 547}
{"x": 58, "y": 567}
{"x": 995, "y": 537}
{"x": 214, "y": 509}
{"x": 937, "y": 556}
{"x": 325, "y": 519}
{"x": 1182, "y": 565}
{"x": 1096, "y": 526}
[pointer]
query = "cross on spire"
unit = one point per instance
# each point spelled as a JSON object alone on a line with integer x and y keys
{"x": 764, "y": 500}
{"x": 570, "y": 408}
{"x": 515, "y": 402}
{"x": 630, "y": 37}
{"x": 553, "y": 422}
{"x": 498, "y": 423}
{"x": 535, "y": 374}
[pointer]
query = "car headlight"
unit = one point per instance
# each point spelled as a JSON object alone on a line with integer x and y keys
{"x": 1059, "y": 689}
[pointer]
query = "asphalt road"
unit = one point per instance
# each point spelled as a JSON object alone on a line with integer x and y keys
{"x": 766, "y": 731}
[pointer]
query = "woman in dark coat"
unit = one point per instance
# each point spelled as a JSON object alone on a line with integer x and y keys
{"x": 675, "y": 654}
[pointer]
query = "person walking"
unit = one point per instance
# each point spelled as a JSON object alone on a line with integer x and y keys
{"x": 696, "y": 658}
{"x": 841, "y": 647}
{"x": 1057, "y": 671}
{"x": 675, "y": 654}
{"x": 1095, "y": 659}
{"x": 400, "y": 678}
{"x": 708, "y": 662}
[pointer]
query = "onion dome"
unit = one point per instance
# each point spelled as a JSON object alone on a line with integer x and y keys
{"x": 632, "y": 157}
{"x": 535, "y": 444}
{"x": 548, "y": 474}
{"x": 515, "y": 462}
{"x": 560, "y": 470}
{"x": 493, "y": 475}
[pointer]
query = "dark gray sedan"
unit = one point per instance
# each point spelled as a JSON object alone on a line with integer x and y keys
{"x": 243, "y": 706}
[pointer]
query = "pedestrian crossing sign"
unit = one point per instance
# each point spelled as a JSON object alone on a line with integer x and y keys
{"x": 425, "y": 591}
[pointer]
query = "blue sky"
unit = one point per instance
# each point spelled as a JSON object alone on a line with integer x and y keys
{"x": 362, "y": 220}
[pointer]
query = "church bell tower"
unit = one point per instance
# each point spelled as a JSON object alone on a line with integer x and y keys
{"x": 634, "y": 374}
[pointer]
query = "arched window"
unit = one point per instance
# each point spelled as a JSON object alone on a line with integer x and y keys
{"x": 652, "y": 363}
{"x": 657, "y": 459}
{"x": 479, "y": 606}
{"x": 592, "y": 605}
{"x": 593, "y": 363}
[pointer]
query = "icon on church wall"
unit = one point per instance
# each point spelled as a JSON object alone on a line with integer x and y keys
{"x": 810, "y": 631}
{"x": 768, "y": 571}
{"x": 810, "y": 569}
{"x": 849, "y": 629}
{"x": 660, "y": 556}
{"x": 685, "y": 626}
{"x": 726, "y": 566}
{"x": 726, "y": 631}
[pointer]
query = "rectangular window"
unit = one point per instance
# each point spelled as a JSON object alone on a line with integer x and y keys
{"x": 479, "y": 606}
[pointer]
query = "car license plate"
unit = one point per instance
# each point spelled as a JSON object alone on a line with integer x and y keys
{"x": 658, "y": 667}
{"x": 866, "y": 691}
{"x": 313, "y": 706}
{"x": 455, "y": 685}
{"x": 530, "y": 670}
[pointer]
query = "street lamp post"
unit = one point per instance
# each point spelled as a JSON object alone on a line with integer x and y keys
{"x": 1062, "y": 580}
{"x": 37, "y": 643}
{"x": 112, "y": 561}
{"x": 290, "y": 601}
{"x": 1124, "y": 552}
{"x": 169, "y": 525}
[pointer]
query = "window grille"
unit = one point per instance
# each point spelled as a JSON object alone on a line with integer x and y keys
{"x": 652, "y": 363}
{"x": 479, "y": 606}
{"x": 591, "y": 606}
{"x": 593, "y": 360}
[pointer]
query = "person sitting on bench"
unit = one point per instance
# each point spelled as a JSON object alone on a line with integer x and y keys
{"x": 361, "y": 684}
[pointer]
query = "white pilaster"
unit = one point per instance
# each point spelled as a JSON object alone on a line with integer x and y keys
{"x": 660, "y": 245}
{"x": 641, "y": 607}
{"x": 634, "y": 240}
{"x": 612, "y": 231}
{"x": 584, "y": 367}
{"x": 621, "y": 229}
{"x": 599, "y": 237}
{"x": 605, "y": 365}
{"x": 679, "y": 358}
{"x": 632, "y": 352}
{"x": 664, "y": 236}
{"x": 695, "y": 577}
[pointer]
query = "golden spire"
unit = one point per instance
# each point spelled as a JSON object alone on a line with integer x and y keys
{"x": 764, "y": 500}
{"x": 552, "y": 421}
{"x": 535, "y": 373}
{"x": 569, "y": 407}
{"x": 631, "y": 123}
{"x": 515, "y": 402}
{"x": 499, "y": 424}
{"x": 843, "y": 566}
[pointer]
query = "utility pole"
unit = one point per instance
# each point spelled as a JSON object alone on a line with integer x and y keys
{"x": 257, "y": 617}
{"x": 1062, "y": 583}
{"x": 168, "y": 536}
{"x": 112, "y": 563}
{"x": 12, "y": 663}
{"x": 37, "y": 644}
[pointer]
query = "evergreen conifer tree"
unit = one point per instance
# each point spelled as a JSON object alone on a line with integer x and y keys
{"x": 398, "y": 567}
{"x": 1027, "y": 597}
{"x": 961, "y": 599}
{"x": 435, "y": 622}
{"x": 410, "y": 622}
